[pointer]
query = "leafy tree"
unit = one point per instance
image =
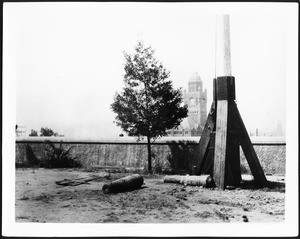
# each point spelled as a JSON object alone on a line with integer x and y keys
{"x": 48, "y": 132}
{"x": 148, "y": 105}
{"x": 33, "y": 133}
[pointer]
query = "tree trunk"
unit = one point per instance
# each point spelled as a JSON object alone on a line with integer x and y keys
{"x": 149, "y": 154}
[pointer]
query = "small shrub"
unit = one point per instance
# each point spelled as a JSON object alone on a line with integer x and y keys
{"x": 58, "y": 157}
{"x": 244, "y": 169}
{"x": 158, "y": 169}
{"x": 30, "y": 156}
{"x": 178, "y": 159}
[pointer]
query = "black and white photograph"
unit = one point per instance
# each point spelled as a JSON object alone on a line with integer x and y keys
{"x": 150, "y": 119}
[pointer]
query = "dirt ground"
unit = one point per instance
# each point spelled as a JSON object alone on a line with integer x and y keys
{"x": 39, "y": 199}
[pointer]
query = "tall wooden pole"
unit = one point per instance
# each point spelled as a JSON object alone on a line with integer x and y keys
{"x": 223, "y": 68}
{"x": 224, "y": 131}
{"x": 223, "y": 55}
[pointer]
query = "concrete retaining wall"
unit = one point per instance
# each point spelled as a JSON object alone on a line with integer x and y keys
{"x": 172, "y": 154}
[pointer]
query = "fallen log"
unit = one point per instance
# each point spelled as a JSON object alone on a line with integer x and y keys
{"x": 203, "y": 180}
{"x": 124, "y": 184}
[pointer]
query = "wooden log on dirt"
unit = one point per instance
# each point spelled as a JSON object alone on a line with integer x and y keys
{"x": 124, "y": 184}
{"x": 203, "y": 180}
{"x": 172, "y": 178}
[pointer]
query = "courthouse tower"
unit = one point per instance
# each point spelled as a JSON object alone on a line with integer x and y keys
{"x": 196, "y": 99}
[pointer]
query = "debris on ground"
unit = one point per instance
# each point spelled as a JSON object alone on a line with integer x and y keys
{"x": 245, "y": 218}
{"x": 222, "y": 216}
{"x": 83, "y": 180}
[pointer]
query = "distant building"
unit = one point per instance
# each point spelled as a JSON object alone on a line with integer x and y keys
{"x": 196, "y": 99}
{"x": 20, "y": 130}
{"x": 278, "y": 131}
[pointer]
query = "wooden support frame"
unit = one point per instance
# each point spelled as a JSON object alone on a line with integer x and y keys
{"x": 205, "y": 140}
{"x": 226, "y": 132}
{"x": 251, "y": 157}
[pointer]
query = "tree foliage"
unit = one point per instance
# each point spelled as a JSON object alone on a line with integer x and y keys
{"x": 47, "y": 132}
{"x": 148, "y": 105}
{"x": 59, "y": 157}
{"x": 31, "y": 157}
{"x": 33, "y": 133}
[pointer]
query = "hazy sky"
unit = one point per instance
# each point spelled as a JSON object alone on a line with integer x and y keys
{"x": 67, "y": 58}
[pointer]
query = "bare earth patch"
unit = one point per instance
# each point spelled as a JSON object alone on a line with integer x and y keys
{"x": 39, "y": 199}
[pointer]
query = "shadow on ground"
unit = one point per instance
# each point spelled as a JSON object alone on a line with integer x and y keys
{"x": 270, "y": 187}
